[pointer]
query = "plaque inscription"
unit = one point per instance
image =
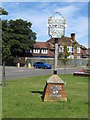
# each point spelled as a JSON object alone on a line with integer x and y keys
{"x": 55, "y": 91}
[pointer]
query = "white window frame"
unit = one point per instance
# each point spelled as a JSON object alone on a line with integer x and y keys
{"x": 60, "y": 48}
{"x": 70, "y": 49}
{"x": 78, "y": 50}
{"x": 44, "y": 51}
{"x": 71, "y": 57}
{"x": 78, "y": 57}
{"x": 36, "y": 50}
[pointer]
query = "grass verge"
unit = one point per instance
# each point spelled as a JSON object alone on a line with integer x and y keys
{"x": 22, "y": 99}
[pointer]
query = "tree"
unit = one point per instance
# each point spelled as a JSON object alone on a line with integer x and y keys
{"x": 17, "y": 38}
{"x": 3, "y": 12}
{"x": 6, "y": 49}
{"x": 63, "y": 56}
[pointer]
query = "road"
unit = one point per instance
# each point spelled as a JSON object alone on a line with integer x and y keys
{"x": 14, "y": 72}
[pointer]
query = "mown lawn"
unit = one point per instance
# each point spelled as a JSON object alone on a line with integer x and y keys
{"x": 22, "y": 99}
{"x": 0, "y": 101}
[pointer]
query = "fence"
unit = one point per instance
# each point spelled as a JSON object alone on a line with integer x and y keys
{"x": 70, "y": 62}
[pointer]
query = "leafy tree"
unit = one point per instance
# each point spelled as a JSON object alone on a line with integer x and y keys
{"x": 63, "y": 56}
{"x": 6, "y": 52}
{"x": 3, "y": 48}
{"x": 17, "y": 38}
{"x": 3, "y": 12}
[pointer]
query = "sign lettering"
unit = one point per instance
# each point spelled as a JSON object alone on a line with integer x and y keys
{"x": 56, "y": 26}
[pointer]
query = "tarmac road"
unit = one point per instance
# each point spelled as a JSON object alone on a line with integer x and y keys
{"x": 14, "y": 72}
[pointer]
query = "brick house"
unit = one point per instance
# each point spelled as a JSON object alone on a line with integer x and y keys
{"x": 46, "y": 49}
{"x": 88, "y": 54}
{"x": 84, "y": 52}
{"x": 42, "y": 49}
{"x": 73, "y": 49}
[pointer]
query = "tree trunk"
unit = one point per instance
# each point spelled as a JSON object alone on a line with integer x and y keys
{"x": 3, "y": 75}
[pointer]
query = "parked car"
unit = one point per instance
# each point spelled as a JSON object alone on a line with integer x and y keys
{"x": 42, "y": 65}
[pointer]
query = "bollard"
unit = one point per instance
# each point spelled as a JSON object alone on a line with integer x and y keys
{"x": 18, "y": 65}
{"x": 29, "y": 65}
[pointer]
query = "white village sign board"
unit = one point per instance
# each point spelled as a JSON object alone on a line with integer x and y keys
{"x": 56, "y": 26}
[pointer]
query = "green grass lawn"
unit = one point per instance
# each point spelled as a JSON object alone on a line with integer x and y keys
{"x": 0, "y": 102}
{"x": 22, "y": 99}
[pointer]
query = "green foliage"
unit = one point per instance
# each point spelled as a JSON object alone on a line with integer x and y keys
{"x": 22, "y": 98}
{"x": 63, "y": 56}
{"x": 17, "y": 38}
{"x": 3, "y": 12}
{"x": 6, "y": 51}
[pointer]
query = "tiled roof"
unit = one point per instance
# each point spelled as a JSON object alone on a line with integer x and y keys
{"x": 43, "y": 45}
{"x": 64, "y": 41}
{"x": 83, "y": 47}
{"x": 49, "y": 54}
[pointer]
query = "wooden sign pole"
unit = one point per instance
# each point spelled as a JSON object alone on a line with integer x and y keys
{"x": 54, "y": 89}
{"x": 56, "y": 56}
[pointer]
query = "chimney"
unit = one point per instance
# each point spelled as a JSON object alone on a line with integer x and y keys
{"x": 73, "y": 36}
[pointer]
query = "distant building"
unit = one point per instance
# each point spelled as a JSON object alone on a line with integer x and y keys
{"x": 42, "y": 49}
{"x": 46, "y": 49}
{"x": 84, "y": 52}
{"x": 88, "y": 53}
{"x": 73, "y": 49}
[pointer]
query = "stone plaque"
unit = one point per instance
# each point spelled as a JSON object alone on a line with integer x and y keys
{"x": 54, "y": 89}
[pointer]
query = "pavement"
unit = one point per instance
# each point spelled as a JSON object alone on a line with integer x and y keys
{"x": 22, "y": 72}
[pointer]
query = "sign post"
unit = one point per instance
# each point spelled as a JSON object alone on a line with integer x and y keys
{"x": 56, "y": 56}
{"x": 56, "y": 29}
{"x": 54, "y": 89}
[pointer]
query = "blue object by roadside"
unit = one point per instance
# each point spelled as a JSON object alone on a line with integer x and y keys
{"x": 42, "y": 65}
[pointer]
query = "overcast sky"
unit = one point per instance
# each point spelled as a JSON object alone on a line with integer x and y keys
{"x": 75, "y": 13}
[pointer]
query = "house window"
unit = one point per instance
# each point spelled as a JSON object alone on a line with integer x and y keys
{"x": 78, "y": 57}
{"x": 73, "y": 50}
{"x": 44, "y": 51}
{"x": 69, "y": 49}
{"x": 78, "y": 50}
{"x": 36, "y": 50}
{"x": 71, "y": 57}
{"x": 61, "y": 49}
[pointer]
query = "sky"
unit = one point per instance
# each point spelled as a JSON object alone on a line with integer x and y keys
{"x": 75, "y": 13}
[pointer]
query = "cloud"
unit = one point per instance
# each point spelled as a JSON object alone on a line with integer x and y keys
{"x": 77, "y": 24}
{"x": 67, "y": 11}
{"x": 39, "y": 20}
{"x": 81, "y": 27}
{"x": 39, "y": 12}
